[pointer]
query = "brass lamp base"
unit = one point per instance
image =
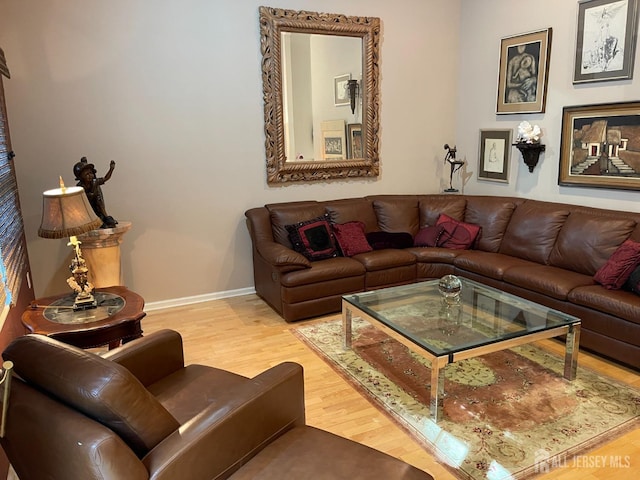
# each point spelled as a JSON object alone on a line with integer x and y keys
{"x": 84, "y": 303}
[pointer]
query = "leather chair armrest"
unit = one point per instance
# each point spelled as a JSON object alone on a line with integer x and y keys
{"x": 219, "y": 440}
{"x": 152, "y": 357}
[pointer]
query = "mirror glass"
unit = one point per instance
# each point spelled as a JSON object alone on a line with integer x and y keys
{"x": 314, "y": 96}
{"x": 320, "y": 87}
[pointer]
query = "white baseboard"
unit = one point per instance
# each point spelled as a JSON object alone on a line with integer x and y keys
{"x": 180, "y": 302}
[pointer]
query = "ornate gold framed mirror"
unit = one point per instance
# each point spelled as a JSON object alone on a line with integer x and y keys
{"x": 320, "y": 79}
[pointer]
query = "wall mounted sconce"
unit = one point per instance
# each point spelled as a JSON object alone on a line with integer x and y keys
{"x": 530, "y": 153}
{"x": 353, "y": 87}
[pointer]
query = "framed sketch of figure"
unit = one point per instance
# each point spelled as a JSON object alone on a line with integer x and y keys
{"x": 606, "y": 38}
{"x": 524, "y": 66}
{"x": 493, "y": 161}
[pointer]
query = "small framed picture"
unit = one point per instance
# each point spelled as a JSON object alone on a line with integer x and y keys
{"x": 334, "y": 145}
{"x": 599, "y": 146}
{"x": 524, "y": 66}
{"x": 340, "y": 91}
{"x": 495, "y": 149}
{"x": 354, "y": 140}
{"x": 606, "y": 39}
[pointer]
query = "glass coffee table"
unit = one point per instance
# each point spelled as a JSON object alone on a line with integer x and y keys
{"x": 481, "y": 320}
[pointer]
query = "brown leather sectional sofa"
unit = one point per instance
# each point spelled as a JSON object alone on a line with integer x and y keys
{"x": 545, "y": 252}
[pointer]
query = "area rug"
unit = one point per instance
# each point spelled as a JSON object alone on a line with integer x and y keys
{"x": 507, "y": 415}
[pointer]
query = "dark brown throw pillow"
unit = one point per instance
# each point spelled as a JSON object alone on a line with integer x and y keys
{"x": 313, "y": 238}
{"x": 351, "y": 238}
{"x": 428, "y": 236}
{"x": 633, "y": 282}
{"x": 381, "y": 240}
{"x": 457, "y": 235}
{"x": 615, "y": 272}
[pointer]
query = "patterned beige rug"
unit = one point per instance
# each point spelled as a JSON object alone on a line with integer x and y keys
{"x": 507, "y": 415}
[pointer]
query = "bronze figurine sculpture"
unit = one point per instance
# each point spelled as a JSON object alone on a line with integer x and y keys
{"x": 85, "y": 173}
{"x": 455, "y": 165}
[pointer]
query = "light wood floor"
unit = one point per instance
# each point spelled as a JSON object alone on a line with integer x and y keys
{"x": 244, "y": 335}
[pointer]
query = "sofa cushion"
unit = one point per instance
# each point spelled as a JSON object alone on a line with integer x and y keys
{"x": 615, "y": 272}
{"x": 488, "y": 264}
{"x": 382, "y": 240}
{"x": 551, "y": 281}
{"x": 397, "y": 213}
{"x": 455, "y": 234}
{"x": 351, "y": 238}
{"x": 313, "y": 238}
{"x": 103, "y": 390}
{"x": 431, "y": 206}
{"x": 587, "y": 241}
{"x": 493, "y": 214}
{"x": 533, "y": 230}
{"x": 283, "y": 214}
{"x": 352, "y": 209}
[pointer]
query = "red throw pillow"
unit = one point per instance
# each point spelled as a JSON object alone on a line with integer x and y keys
{"x": 457, "y": 235}
{"x": 351, "y": 238}
{"x": 313, "y": 238}
{"x": 615, "y": 272}
{"x": 428, "y": 236}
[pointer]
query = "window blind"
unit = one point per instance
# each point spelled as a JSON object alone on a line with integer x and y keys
{"x": 13, "y": 253}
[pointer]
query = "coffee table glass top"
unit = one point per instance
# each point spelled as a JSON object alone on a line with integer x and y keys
{"x": 482, "y": 316}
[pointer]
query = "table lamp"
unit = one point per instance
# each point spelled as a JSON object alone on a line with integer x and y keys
{"x": 66, "y": 212}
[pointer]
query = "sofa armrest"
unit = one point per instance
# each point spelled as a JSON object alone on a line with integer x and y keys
{"x": 219, "y": 440}
{"x": 152, "y": 357}
{"x": 282, "y": 257}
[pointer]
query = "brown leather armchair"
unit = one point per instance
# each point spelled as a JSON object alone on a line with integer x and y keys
{"x": 137, "y": 413}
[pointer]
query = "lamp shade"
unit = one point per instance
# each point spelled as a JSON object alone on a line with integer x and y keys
{"x": 66, "y": 212}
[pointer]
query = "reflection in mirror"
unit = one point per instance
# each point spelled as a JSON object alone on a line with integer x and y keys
{"x": 313, "y": 128}
{"x": 315, "y": 89}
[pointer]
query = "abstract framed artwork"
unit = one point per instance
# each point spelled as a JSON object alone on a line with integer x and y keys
{"x": 354, "y": 140}
{"x": 340, "y": 93}
{"x": 523, "y": 74}
{"x": 605, "y": 41}
{"x": 493, "y": 160}
{"x": 600, "y": 146}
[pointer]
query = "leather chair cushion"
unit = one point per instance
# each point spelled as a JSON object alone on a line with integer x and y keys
{"x": 101, "y": 389}
{"x": 303, "y": 453}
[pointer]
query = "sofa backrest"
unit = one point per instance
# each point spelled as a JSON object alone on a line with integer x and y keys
{"x": 493, "y": 215}
{"x": 102, "y": 390}
{"x": 533, "y": 229}
{"x": 431, "y": 206}
{"x": 283, "y": 214}
{"x": 397, "y": 213}
{"x": 353, "y": 209}
{"x": 588, "y": 238}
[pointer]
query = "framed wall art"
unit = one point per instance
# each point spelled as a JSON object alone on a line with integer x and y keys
{"x": 334, "y": 145}
{"x": 354, "y": 140}
{"x": 493, "y": 161}
{"x": 340, "y": 92}
{"x": 600, "y": 146}
{"x": 522, "y": 79}
{"x": 606, "y": 39}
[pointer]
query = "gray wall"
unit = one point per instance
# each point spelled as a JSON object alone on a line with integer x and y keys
{"x": 171, "y": 90}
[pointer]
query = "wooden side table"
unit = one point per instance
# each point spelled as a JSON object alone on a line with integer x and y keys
{"x": 114, "y": 321}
